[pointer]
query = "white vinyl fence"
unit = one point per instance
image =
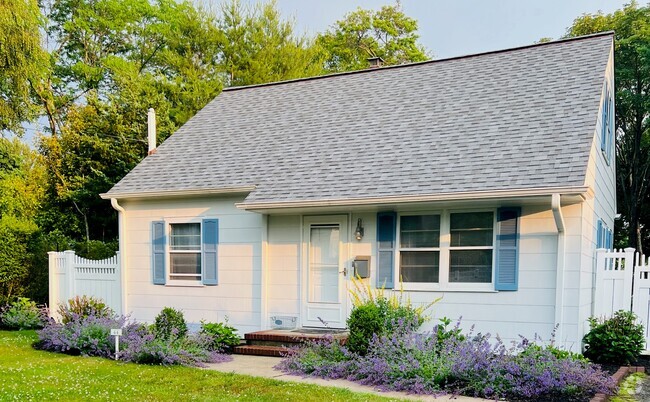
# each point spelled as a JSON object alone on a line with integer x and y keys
{"x": 623, "y": 283}
{"x": 71, "y": 275}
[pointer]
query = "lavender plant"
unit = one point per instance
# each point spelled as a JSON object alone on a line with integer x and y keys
{"x": 446, "y": 361}
{"x": 81, "y": 335}
{"x": 89, "y": 335}
{"x": 144, "y": 347}
{"x": 23, "y": 314}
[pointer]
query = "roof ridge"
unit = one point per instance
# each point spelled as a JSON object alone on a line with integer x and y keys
{"x": 465, "y": 56}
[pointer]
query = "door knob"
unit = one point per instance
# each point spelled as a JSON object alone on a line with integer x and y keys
{"x": 344, "y": 272}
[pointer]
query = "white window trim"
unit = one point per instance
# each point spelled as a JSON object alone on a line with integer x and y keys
{"x": 168, "y": 251}
{"x": 444, "y": 248}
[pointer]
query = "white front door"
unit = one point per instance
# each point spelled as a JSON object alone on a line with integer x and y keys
{"x": 325, "y": 268}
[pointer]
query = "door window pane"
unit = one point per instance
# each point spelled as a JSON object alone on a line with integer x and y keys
{"x": 419, "y": 266}
{"x": 324, "y": 264}
{"x": 471, "y": 229}
{"x": 470, "y": 266}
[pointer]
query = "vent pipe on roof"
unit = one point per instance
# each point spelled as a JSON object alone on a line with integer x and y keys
{"x": 151, "y": 130}
{"x": 375, "y": 62}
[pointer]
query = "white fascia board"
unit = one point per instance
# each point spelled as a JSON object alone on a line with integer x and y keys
{"x": 178, "y": 193}
{"x": 582, "y": 191}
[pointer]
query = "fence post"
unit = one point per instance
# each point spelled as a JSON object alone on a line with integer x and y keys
{"x": 53, "y": 262}
{"x": 70, "y": 274}
{"x": 629, "y": 274}
{"x": 600, "y": 268}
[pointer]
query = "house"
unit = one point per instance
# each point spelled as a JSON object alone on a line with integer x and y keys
{"x": 486, "y": 179}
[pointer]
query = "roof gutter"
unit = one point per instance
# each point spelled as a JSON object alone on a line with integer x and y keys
{"x": 178, "y": 193}
{"x": 583, "y": 191}
{"x": 556, "y": 207}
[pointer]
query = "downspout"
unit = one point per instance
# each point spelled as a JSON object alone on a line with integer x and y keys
{"x": 122, "y": 248}
{"x": 559, "y": 280}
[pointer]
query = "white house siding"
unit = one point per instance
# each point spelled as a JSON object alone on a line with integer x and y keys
{"x": 531, "y": 309}
{"x": 601, "y": 178}
{"x": 528, "y": 311}
{"x": 237, "y": 297}
{"x": 283, "y": 267}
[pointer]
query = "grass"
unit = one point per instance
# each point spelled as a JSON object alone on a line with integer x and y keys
{"x": 33, "y": 375}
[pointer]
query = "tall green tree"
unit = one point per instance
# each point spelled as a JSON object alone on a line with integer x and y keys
{"x": 258, "y": 46}
{"x": 387, "y": 33}
{"x": 21, "y": 194}
{"x": 632, "y": 77}
{"x": 22, "y": 61}
{"x": 115, "y": 60}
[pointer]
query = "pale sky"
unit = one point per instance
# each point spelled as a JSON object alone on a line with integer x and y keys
{"x": 457, "y": 27}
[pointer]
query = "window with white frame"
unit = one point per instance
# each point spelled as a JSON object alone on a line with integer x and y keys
{"x": 470, "y": 251}
{"x": 420, "y": 248}
{"x": 458, "y": 245}
{"x": 185, "y": 251}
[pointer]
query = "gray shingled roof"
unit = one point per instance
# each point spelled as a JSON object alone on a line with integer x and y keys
{"x": 514, "y": 119}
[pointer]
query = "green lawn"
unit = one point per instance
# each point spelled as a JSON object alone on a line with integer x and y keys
{"x": 31, "y": 375}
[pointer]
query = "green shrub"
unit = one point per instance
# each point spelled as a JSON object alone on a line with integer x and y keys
{"x": 96, "y": 249}
{"x": 23, "y": 314}
{"x": 364, "y": 321}
{"x": 83, "y": 306}
{"x": 618, "y": 340}
{"x": 375, "y": 314}
{"x": 170, "y": 324}
{"x": 221, "y": 335}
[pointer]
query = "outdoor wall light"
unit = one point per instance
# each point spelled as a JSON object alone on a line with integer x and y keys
{"x": 359, "y": 232}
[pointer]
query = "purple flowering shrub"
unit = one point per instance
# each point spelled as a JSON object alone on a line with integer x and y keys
{"x": 81, "y": 335}
{"x": 325, "y": 358}
{"x": 525, "y": 371}
{"x": 438, "y": 362}
{"x": 23, "y": 313}
{"x": 144, "y": 347}
{"x": 88, "y": 334}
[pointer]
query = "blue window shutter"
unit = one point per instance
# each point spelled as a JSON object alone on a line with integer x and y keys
{"x": 599, "y": 234}
{"x": 386, "y": 226}
{"x": 158, "y": 243}
{"x": 604, "y": 120}
{"x": 611, "y": 142}
{"x": 610, "y": 239}
{"x": 210, "y": 236}
{"x": 507, "y": 249}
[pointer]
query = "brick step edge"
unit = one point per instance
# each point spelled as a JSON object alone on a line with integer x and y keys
{"x": 275, "y": 338}
{"x": 618, "y": 377}
{"x": 257, "y": 350}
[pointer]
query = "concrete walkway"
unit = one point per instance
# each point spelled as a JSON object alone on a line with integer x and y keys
{"x": 261, "y": 366}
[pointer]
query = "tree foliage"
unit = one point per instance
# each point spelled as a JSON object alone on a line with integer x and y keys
{"x": 21, "y": 193}
{"x": 387, "y": 33}
{"x": 258, "y": 46}
{"x": 22, "y": 60}
{"x": 92, "y": 68}
{"x": 632, "y": 76}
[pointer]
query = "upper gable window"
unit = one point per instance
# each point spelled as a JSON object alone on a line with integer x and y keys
{"x": 607, "y": 125}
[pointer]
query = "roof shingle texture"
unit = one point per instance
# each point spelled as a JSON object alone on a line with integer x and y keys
{"x": 516, "y": 119}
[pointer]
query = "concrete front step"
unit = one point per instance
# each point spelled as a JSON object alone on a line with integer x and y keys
{"x": 261, "y": 350}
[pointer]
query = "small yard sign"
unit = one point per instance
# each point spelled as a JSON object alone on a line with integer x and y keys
{"x": 117, "y": 332}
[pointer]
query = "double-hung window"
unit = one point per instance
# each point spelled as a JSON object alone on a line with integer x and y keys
{"x": 185, "y": 252}
{"x": 420, "y": 248}
{"x": 446, "y": 248}
{"x": 470, "y": 251}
